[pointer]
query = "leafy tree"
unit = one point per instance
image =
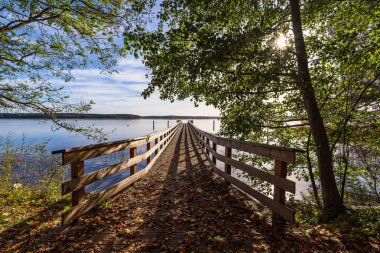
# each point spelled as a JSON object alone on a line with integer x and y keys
{"x": 41, "y": 40}
{"x": 226, "y": 54}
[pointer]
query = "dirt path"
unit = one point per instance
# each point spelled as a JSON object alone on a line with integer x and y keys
{"x": 179, "y": 206}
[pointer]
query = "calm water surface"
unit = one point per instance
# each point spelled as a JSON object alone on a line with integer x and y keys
{"x": 32, "y": 132}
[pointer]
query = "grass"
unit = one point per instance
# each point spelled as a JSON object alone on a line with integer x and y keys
{"x": 31, "y": 181}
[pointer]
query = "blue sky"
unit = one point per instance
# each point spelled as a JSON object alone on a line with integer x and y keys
{"x": 121, "y": 92}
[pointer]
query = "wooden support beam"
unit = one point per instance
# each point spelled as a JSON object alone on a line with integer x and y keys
{"x": 155, "y": 143}
{"x": 133, "y": 153}
{"x": 214, "y": 148}
{"x": 147, "y": 149}
{"x": 77, "y": 197}
{"x": 77, "y": 170}
{"x": 227, "y": 153}
{"x": 280, "y": 170}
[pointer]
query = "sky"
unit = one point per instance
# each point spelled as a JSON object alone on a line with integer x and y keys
{"x": 121, "y": 92}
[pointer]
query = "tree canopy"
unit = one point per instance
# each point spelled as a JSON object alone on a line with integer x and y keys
{"x": 226, "y": 53}
{"x": 45, "y": 40}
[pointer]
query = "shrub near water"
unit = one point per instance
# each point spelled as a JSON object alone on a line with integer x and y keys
{"x": 30, "y": 182}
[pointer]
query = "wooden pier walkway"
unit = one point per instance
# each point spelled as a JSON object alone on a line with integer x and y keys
{"x": 181, "y": 205}
{"x": 180, "y": 202}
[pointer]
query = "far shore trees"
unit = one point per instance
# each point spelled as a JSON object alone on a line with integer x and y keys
{"x": 312, "y": 92}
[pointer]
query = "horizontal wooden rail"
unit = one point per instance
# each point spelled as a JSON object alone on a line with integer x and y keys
{"x": 76, "y": 157}
{"x": 77, "y": 183}
{"x": 91, "y": 151}
{"x": 269, "y": 151}
{"x": 283, "y": 183}
{"x": 282, "y": 157}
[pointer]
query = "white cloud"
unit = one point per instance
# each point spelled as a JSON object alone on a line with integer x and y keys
{"x": 121, "y": 92}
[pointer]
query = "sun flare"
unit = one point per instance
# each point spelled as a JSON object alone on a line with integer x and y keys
{"x": 281, "y": 42}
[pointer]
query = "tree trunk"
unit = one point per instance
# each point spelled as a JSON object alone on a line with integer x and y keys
{"x": 311, "y": 174}
{"x": 330, "y": 194}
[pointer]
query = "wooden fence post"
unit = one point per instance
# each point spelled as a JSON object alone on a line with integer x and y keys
{"x": 280, "y": 169}
{"x": 77, "y": 197}
{"x": 208, "y": 143}
{"x": 77, "y": 170}
{"x": 227, "y": 167}
{"x": 147, "y": 149}
{"x": 133, "y": 153}
{"x": 155, "y": 143}
{"x": 214, "y": 148}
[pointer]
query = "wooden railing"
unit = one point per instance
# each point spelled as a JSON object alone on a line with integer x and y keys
{"x": 77, "y": 156}
{"x": 282, "y": 157}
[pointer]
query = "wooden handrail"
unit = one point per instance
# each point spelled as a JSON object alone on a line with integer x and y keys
{"x": 77, "y": 156}
{"x": 266, "y": 150}
{"x": 281, "y": 155}
{"x": 91, "y": 151}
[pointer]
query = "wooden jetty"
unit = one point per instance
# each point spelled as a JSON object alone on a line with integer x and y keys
{"x": 181, "y": 174}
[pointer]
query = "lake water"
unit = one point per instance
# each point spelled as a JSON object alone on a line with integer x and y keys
{"x": 32, "y": 132}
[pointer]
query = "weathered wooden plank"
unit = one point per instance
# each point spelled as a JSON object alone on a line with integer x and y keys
{"x": 214, "y": 149}
{"x": 77, "y": 170}
{"x": 278, "y": 181}
{"x": 151, "y": 136}
{"x": 270, "y": 151}
{"x": 92, "y": 151}
{"x": 155, "y": 143}
{"x": 84, "y": 180}
{"x": 227, "y": 154}
{"x": 82, "y": 155}
{"x": 132, "y": 168}
{"x": 280, "y": 169}
{"x": 147, "y": 149}
{"x": 79, "y": 210}
{"x": 277, "y": 207}
{"x": 207, "y": 143}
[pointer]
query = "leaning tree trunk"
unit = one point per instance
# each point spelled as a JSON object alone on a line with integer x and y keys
{"x": 331, "y": 199}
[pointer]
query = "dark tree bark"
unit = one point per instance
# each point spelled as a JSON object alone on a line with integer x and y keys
{"x": 331, "y": 198}
{"x": 311, "y": 175}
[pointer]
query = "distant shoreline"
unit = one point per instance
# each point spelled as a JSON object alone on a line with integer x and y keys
{"x": 97, "y": 116}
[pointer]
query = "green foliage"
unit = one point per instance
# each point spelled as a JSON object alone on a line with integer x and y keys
{"x": 29, "y": 176}
{"x": 42, "y": 40}
{"x": 356, "y": 225}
